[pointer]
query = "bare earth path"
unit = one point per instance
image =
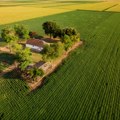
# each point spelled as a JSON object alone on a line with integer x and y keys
{"x": 35, "y": 84}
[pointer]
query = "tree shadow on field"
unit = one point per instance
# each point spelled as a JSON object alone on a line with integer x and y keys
{"x": 7, "y": 58}
{"x": 13, "y": 74}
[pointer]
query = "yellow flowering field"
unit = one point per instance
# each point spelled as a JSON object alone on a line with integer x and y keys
{"x": 19, "y": 13}
{"x": 115, "y": 8}
{"x": 92, "y": 6}
{"x": 14, "y": 12}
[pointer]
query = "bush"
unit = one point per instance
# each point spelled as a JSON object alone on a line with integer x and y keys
{"x": 35, "y": 72}
{"x": 52, "y": 51}
{"x": 50, "y": 28}
{"x": 67, "y": 42}
{"x": 22, "y": 31}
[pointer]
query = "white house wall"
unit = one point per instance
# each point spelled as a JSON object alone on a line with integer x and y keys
{"x": 34, "y": 47}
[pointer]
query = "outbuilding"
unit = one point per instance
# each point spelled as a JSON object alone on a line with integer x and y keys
{"x": 35, "y": 44}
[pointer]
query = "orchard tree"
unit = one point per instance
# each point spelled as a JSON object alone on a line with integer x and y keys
{"x": 72, "y": 33}
{"x": 58, "y": 49}
{"x": 52, "y": 51}
{"x": 67, "y": 42}
{"x": 23, "y": 56}
{"x": 22, "y": 31}
{"x": 50, "y": 28}
{"x": 8, "y": 35}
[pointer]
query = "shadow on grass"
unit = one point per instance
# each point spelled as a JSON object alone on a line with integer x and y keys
{"x": 13, "y": 74}
{"x": 7, "y": 58}
{"x": 2, "y": 43}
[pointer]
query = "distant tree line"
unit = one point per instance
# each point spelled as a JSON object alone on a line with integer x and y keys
{"x": 68, "y": 36}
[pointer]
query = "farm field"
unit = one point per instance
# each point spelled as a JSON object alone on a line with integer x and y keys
{"x": 115, "y": 8}
{"x": 85, "y": 87}
{"x": 18, "y": 11}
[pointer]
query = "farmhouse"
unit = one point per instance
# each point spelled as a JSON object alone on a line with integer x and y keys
{"x": 35, "y": 44}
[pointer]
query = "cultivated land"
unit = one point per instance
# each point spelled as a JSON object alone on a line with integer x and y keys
{"x": 18, "y": 11}
{"x": 85, "y": 87}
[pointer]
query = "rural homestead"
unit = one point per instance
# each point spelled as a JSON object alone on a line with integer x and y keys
{"x": 35, "y": 44}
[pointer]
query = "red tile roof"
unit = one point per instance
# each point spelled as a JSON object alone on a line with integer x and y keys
{"x": 35, "y": 42}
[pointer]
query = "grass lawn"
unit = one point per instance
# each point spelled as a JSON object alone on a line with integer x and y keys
{"x": 85, "y": 87}
{"x": 36, "y": 57}
{"x": 6, "y": 60}
{"x": 2, "y": 43}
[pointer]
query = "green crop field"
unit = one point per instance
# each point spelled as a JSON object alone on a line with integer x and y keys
{"x": 85, "y": 87}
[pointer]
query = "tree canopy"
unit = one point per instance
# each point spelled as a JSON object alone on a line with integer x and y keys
{"x": 67, "y": 42}
{"x": 22, "y": 31}
{"x": 8, "y": 35}
{"x": 50, "y": 28}
{"x": 52, "y": 51}
{"x": 23, "y": 56}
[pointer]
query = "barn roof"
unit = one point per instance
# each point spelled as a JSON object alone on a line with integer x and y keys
{"x": 35, "y": 42}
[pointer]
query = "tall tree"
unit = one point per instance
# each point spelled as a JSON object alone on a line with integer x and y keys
{"x": 23, "y": 56}
{"x": 8, "y": 35}
{"x": 70, "y": 31}
{"x": 50, "y": 28}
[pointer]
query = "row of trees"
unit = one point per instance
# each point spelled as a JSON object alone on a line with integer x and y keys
{"x": 68, "y": 36}
{"x": 13, "y": 35}
{"x": 54, "y": 30}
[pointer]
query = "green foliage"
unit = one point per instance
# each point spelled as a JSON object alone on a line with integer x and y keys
{"x": 69, "y": 31}
{"x": 58, "y": 33}
{"x": 50, "y": 28}
{"x": 23, "y": 65}
{"x": 23, "y": 56}
{"x": 35, "y": 72}
{"x": 52, "y": 51}
{"x": 8, "y": 35}
{"x": 22, "y": 31}
{"x": 67, "y": 42}
{"x": 75, "y": 38}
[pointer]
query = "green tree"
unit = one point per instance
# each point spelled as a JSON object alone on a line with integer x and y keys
{"x": 75, "y": 38}
{"x": 23, "y": 56}
{"x": 67, "y": 42}
{"x": 70, "y": 31}
{"x": 22, "y": 31}
{"x": 52, "y": 51}
{"x": 50, "y": 28}
{"x": 8, "y": 35}
{"x": 58, "y": 33}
